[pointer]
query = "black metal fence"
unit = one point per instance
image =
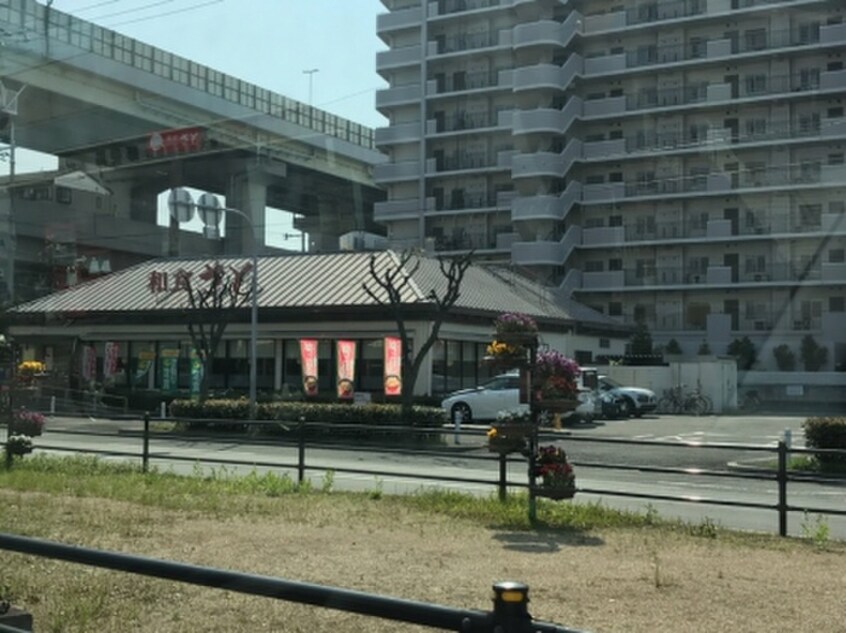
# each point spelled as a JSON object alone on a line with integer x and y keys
{"x": 156, "y": 447}
{"x": 509, "y": 614}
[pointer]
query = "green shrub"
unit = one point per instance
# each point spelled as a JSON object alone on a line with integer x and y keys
{"x": 828, "y": 433}
{"x": 743, "y": 349}
{"x": 229, "y": 412}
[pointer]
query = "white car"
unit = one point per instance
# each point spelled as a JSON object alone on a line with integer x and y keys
{"x": 501, "y": 393}
{"x": 636, "y": 400}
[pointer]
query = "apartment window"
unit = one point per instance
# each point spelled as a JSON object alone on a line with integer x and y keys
{"x": 614, "y": 135}
{"x": 835, "y": 159}
{"x": 644, "y": 268}
{"x": 615, "y": 220}
{"x": 836, "y": 256}
{"x": 835, "y": 113}
{"x": 604, "y": 343}
{"x": 756, "y": 84}
{"x": 755, "y": 264}
{"x": 809, "y": 78}
{"x": 615, "y": 176}
{"x": 63, "y": 195}
{"x": 837, "y": 304}
{"x": 697, "y": 47}
{"x": 755, "y": 171}
{"x": 594, "y": 223}
{"x": 809, "y": 123}
{"x": 756, "y": 128}
{"x": 615, "y": 264}
{"x": 810, "y": 215}
{"x": 756, "y": 39}
{"x": 809, "y": 171}
{"x": 595, "y": 179}
{"x": 809, "y": 32}
{"x": 594, "y": 267}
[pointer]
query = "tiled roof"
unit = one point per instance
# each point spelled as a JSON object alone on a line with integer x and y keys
{"x": 312, "y": 280}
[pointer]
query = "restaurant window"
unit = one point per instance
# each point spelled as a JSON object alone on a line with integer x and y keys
{"x": 468, "y": 365}
{"x": 439, "y": 367}
{"x": 371, "y": 366}
{"x": 291, "y": 367}
{"x": 142, "y": 356}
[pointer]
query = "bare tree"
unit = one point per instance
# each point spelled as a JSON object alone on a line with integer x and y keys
{"x": 394, "y": 282}
{"x": 212, "y": 305}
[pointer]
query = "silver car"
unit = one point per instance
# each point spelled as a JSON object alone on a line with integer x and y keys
{"x": 501, "y": 393}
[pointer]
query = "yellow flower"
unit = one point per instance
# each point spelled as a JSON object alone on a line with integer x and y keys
{"x": 491, "y": 433}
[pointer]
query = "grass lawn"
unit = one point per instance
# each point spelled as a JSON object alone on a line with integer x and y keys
{"x": 587, "y": 566}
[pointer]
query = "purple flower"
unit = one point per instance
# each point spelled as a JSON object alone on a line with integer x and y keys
{"x": 515, "y": 322}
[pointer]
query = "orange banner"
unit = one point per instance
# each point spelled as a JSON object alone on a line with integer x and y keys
{"x": 308, "y": 360}
{"x": 346, "y": 369}
{"x": 393, "y": 366}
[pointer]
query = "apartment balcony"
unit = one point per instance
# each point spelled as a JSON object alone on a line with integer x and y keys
{"x": 549, "y": 76}
{"x": 468, "y": 161}
{"x": 396, "y": 134}
{"x": 399, "y": 209}
{"x": 398, "y": 58}
{"x": 396, "y": 172}
{"x": 387, "y": 23}
{"x": 465, "y": 121}
{"x": 547, "y": 120}
{"x": 461, "y": 201}
{"x": 545, "y": 207}
{"x": 546, "y": 164}
{"x": 451, "y": 7}
{"x": 398, "y": 95}
{"x": 470, "y": 82}
{"x": 547, "y": 32}
{"x": 604, "y": 280}
{"x": 545, "y": 252}
{"x": 467, "y": 42}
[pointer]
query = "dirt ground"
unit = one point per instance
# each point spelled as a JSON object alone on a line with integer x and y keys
{"x": 615, "y": 580}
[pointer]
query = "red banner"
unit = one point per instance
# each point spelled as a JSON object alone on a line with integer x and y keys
{"x": 308, "y": 360}
{"x": 393, "y": 366}
{"x": 181, "y": 141}
{"x": 110, "y": 359}
{"x": 346, "y": 369}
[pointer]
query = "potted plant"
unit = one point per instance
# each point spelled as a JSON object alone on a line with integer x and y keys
{"x": 29, "y": 423}
{"x": 505, "y": 355}
{"x": 17, "y": 445}
{"x": 556, "y": 379}
{"x": 515, "y": 328}
{"x": 508, "y": 434}
{"x": 558, "y": 480}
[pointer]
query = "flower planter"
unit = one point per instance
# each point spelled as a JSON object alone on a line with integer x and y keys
{"x": 521, "y": 339}
{"x": 505, "y": 363}
{"x": 556, "y": 492}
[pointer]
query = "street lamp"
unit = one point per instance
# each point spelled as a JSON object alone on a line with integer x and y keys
{"x": 182, "y": 206}
{"x": 310, "y": 74}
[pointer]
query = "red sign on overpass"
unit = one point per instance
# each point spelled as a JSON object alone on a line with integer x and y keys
{"x": 181, "y": 141}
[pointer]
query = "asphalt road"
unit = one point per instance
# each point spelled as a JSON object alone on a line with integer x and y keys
{"x": 704, "y": 443}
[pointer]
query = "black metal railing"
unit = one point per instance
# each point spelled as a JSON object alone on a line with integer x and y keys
{"x": 509, "y": 613}
{"x": 361, "y": 438}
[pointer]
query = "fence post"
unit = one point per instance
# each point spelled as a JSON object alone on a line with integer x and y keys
{"x": 162, "y": 410}
{"x": 782, "y": 488}
{"x": 301, "y": 451}
{"x": 503, "y": 476}
{"x": 145, "y": 454}
{"x": 510, "y": 607}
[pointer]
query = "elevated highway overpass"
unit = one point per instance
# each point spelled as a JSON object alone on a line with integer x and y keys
{"x": 139, "y": 120}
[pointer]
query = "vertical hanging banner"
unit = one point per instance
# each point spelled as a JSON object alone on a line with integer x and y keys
{"x": 196, "y": 373}
{"x": 393, "y": 366}
{"x": 346, "y": 369}
{"x": 110, "y": 359}
{"x": 170, "y": 369}
{"x": 308, "y": 361}
{"x": 89, "y": 363}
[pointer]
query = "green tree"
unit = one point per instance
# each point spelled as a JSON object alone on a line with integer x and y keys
{"x": 744, "y": 351}
{"x": 673, "y": 347}
{"x": 641, "y": 341}
{"x": 395, "y": 285}
{"x": 785, "y": 358}
{"x": 214, "y": 296}
{"x": 814, "y": 356}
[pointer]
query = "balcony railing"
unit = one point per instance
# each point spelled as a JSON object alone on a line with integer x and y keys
{"x": 447, "y": 7}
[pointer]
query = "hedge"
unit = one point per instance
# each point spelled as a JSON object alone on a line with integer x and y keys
{"x": 828, "y": 433}
{"x": 203, "y": 415}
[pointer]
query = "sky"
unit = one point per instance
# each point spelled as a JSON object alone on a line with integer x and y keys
{"x": 266, "y": 42}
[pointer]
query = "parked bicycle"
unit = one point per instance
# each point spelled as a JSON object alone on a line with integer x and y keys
{"x": 749, "y": 401}
{"x": 679, "y": 400}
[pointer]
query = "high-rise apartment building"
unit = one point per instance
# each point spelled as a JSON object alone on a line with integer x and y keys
{"x": 679, "y": 163}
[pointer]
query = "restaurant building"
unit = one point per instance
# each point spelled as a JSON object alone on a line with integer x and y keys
{"x": 128, "y": 331}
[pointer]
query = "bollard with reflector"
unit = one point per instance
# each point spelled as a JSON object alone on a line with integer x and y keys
{"x": 511, "y": 606}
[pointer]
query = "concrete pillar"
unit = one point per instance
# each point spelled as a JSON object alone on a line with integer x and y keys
{"x": 247, "y": 192}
